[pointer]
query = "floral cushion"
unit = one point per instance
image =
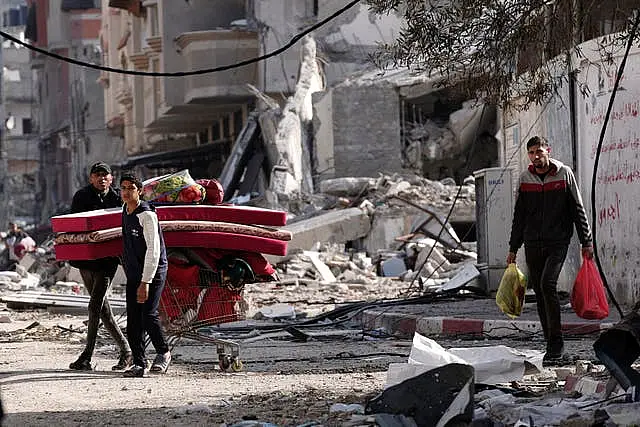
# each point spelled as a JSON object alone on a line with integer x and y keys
{"x": 177, "y": 187}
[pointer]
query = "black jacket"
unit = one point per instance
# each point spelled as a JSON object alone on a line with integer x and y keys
{"x": 546, "y": 212}
{"x": 88, "y": 199}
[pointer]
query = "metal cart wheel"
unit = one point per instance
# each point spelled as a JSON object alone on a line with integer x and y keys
{"x": 225, "y": 361}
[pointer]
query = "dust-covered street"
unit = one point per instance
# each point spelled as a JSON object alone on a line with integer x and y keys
{"x": 282, "y": 382}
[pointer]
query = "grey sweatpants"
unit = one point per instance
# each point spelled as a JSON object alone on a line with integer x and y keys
{"x": 97, "y": 284}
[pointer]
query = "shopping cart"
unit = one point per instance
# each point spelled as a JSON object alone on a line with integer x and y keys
{"x": 195, "y": 298}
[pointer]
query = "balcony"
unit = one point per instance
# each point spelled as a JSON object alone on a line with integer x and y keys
{"x": 155, "y": 43}
{"x": 18, "y": 92}
{"x": 215, "y": 48}
{"x": 124, "y": 95}
{"x": 140, "y": 60}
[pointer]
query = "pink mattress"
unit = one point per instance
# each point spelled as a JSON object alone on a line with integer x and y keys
{"x": 102, "y": 219}
{"x": 176, "y": 239}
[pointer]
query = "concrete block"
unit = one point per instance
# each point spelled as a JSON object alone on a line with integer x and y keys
{"x": 338, "y": 226}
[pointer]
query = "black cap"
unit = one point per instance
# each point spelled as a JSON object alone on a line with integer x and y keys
{"x": 100, "y": 167}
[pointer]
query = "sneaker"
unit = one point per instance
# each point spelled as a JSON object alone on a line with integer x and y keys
{"x": 134, "y": 371}
{"x": 161, "y": 363}
{"x": 126, "y": 360}
{"x": 81, "y": 364}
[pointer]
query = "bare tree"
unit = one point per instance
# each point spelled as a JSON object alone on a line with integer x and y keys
{"x": 501, "y": 51}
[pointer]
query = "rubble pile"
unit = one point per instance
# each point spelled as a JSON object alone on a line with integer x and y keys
{"x": 316, "y": 281}
{"x": 313, "y": 282}
{"x": 340, "y": 265}
{"x": 385, "y": 190}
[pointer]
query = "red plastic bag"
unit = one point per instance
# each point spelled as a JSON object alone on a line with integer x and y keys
{"x": 588, "y": 298}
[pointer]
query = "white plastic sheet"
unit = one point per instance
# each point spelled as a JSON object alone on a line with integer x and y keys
{"x": 493, "y": 365}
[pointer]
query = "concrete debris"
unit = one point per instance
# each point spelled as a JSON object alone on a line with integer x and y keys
{"x": 347, "y": 187}
{"x": 623, "y": 414}
{"x": 59, "y": 302}
{"x": 276, "y": 311}
{"x": 353, "y": 408}
{"x": 339, "y": 226}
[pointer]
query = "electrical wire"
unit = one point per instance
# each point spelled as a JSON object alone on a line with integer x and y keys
{"x": 594, "y": 177}
{"x": 276, "y": 52}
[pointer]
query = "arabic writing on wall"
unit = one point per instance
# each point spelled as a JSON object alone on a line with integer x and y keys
{"x": 610, "y": 212}
{"x": 628, "y": 110}
{"x": 631, "y": 142}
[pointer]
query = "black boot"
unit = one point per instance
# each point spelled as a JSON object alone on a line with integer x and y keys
{"x": 126, "y": 360}
{"x": 82, "y": 364}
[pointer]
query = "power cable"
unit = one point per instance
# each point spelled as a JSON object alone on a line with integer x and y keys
{"x": 603, "y": 131}
{"x": 276, "y": 52}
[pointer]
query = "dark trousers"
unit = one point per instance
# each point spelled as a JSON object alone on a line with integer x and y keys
{"x": 97, "y": 284}
{"x": 143, "y": 318}
{"x": 544, "y": 266}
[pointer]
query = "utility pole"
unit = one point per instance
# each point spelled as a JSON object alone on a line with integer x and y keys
{"x": 4, "y": 164}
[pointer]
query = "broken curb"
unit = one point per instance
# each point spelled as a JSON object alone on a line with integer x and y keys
{"x": 405, "y": 325}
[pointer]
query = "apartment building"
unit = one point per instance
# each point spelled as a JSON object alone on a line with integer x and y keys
{"x": 191, "y": 122}
{"x": 19, "y": 108}
{"x": 72, "y": 132}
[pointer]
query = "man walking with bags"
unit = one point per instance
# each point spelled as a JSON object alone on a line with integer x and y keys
{"x": 98, "y": 274}
{"x": 547, "y": 207}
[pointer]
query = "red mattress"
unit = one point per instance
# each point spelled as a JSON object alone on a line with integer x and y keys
{"x": 102, "y": 219}
{"x": 177, "y": 239}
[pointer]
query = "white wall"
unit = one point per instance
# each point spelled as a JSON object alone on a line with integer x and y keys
{"x": 618, "y": 173}
{"x": 617, "y": 191}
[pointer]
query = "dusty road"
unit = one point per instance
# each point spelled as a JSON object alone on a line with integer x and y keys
{"x": 282, "y": 382}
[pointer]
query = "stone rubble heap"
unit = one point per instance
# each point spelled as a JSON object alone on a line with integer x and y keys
{"x": 353, "y": 191}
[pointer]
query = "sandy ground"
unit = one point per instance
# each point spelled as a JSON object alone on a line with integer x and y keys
{"x": 282, "y": 382}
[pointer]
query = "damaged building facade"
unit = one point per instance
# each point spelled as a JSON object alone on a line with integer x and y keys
{"x": 410, "y": 124}
{"x": 71, "y": 125}
{"x": 198, "y": 118}
{"x": 163, "y": 124}
{"x": 392, "y": 121}
{"x": 19, "y": 144}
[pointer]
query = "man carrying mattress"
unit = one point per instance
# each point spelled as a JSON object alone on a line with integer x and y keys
{"x": 98, "y": 274}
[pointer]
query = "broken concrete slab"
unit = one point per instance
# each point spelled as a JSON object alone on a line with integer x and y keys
{"x": 35, "y": 299}
{"x": 465, "y": 275}
{"x": 347, "y": 187}
{"x": 434, "y": 398}
{"x": 338, "y": 226}
{"x": 429, "y": 248}
{"x": 326, "y": 275}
